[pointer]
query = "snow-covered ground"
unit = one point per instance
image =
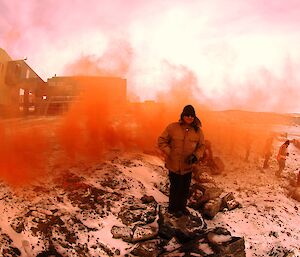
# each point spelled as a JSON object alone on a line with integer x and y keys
{"x": 269, "y": 218}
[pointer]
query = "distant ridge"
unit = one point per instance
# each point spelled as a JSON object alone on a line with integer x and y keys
{"x": 258, "y": 117}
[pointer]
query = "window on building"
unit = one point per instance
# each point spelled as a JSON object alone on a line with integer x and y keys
{"x": 18, "y": 70}
{"x": 27, "y": 73}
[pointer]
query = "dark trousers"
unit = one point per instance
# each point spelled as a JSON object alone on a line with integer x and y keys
{"x": 281, "y": 164}
{"x": 179, "y": 191}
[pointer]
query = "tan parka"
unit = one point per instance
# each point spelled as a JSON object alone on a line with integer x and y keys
{"x": 178, "y": 141}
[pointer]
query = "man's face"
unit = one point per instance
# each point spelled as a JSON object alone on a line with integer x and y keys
{"x": 188, "y": 119}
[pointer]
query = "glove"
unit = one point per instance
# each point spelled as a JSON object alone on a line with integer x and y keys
{"x": 191, "y": 159}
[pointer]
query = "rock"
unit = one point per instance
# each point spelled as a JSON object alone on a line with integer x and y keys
{"x": 125, "y": 233}
{"x": 209, "y": 192}
{"x": 218, "y": 235}
{"x": 38, "y": 215}
{"x": 144, "y": 233}
{"x": 129, "y": 217}
{"x": 147, "y": 199}
{"x": 11, "y": 252}
{"x": 233, "y": 248}
{"x": 229, "y": 202}
{"x": 151, "y": 248}
{"x": 201, "y": 176}
{"x": 106, "y": 249}
{"x": 49, "y": 253}
{"x": 291, "y": 254}
{"x": 218, "y": 239}
{"x": 195, "y": 198}
{"x": 18, "y": 224}
{"x": 184, "y": 228}
{"x": 16, "y": 251}
{"x": 196, "y": 247}
{"x": 279, "y": 250}
{"x": 205, "y": 248}
{"x": 163, "y": 187}
{"x": 141, "y": 213}
{"x": 172, "y": 245}
{"x": 221, "y": 231}
{"x": 217, "y": 242}
{"x": 273, "y": 233}
{"x": 44, "y": 211}
{"x": 211, "y": 208}
{"x": 7, "y": 246}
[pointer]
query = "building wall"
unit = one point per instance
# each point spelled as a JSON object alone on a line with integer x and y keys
{"x": 62, "y": 92}
{"x": 113, "y": 88}
{"x": 17, "y": 76}
{"x": 5, "y": 90}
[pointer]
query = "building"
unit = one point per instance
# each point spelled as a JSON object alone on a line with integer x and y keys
{"x": 5, "y": 91}
{"x": 62, "y": 91}
{"x": 20, "y": 87}
{"x": 22, "y": 91}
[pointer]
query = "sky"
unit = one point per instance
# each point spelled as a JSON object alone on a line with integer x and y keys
{"x": 228, "y": 55}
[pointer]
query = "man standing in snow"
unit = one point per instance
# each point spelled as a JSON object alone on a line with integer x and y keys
{"x": 267, "y": 151}
{"x": 182, "y": 143}
{"x": 247, "y": 144}
{"x": 281, "y": 157}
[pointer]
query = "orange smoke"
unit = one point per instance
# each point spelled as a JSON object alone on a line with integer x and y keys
{"x": 100, "y": 120}
{"x": 230, "y": 132}
{"x": 98, "y": 123}
{"x": 22, "y": 154}
{"x": 83, "y": 131}
{"x": 114, "y": 61}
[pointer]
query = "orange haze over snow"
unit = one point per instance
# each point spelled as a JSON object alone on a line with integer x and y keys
{"x": 22, "y": 154}
{"x": 95, "y": 124}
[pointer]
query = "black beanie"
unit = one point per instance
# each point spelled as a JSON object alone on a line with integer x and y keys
{"x": 188, "y": 111}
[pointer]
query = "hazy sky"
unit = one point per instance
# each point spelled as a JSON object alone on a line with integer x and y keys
{"x": 239, "y": 54}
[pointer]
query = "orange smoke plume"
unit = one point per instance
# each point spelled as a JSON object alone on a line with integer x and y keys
{"x": 22, "y": 154}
